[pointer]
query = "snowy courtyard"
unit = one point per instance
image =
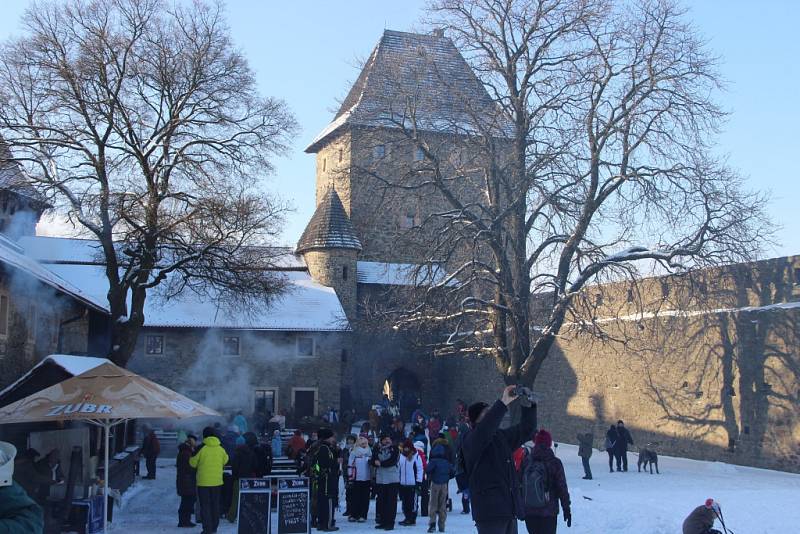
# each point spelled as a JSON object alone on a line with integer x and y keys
{"x": 754, "y": 501}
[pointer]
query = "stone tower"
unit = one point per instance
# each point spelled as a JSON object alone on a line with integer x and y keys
{"x": 330, "y": 248}
{"x": 367, "y": 143}
{"x": 21, "y": 206}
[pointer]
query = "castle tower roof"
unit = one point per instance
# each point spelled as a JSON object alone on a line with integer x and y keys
{"x": 420, "y": 78}
{"x": 13, "y": 178}
{"x": 329, "y": 227}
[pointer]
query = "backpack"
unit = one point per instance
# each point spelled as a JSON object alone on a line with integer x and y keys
{"x": 535, "y": 483}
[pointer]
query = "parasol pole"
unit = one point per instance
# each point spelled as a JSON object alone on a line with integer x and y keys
{"x": 106, "y": 472}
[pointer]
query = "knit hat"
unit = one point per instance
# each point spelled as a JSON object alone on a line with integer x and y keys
{"x": 475, "y": 410}
{"x": 543, "y": 437}
{"x": 712, "y": 504}
{"x": 419, "y": 445}
{"x": 324, "y": 433}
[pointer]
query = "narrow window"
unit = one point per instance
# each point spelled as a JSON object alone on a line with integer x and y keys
{"x": 154, "y": 345}
{"x": 340, "y": 155}
{"x": 408, "y": 220}
{"x": 797, "y": 276}
{"x": 379, "y": 151}
{"x": 305, "y": 346}
{"x": 344, "y": 273}
{"x": 344, "y": 355}
{"x": 3, "y": 315}
{"x": 31, "y": 320}
{"x": 419, "y": 154}
{"x": 630, "y": 295}
{"x": 324, "y": 164}
{"x": 230, "y": 345}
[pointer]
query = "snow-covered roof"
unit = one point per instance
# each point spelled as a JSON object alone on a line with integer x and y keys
{"x": 74, "y": 365}
{"x": 13, "y": 255}
{"x": 305, "y": 306}
{"x": 398, "y": 274}
{"x": 73, "y": 250}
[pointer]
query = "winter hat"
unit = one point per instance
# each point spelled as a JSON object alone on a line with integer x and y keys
{"x": 475, "y": 410}
{"x": 419, "y": 445}
{"x": 7, "y": 454}
{"x": 408, "y": 446}
{"x": 543, "y": 437}
{"x": 324, "y": 433}
{"x": 712, "y": 504}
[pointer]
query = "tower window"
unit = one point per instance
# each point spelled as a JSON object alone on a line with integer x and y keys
{"x": 408, "y": 220}
{"x": 3, "y": 315}
{"x": 379, "y": 151}
{"x": 344, "y": 272}
{"x": 341, "y": 152}
{"x": 324, "y": 164}
{"x": 419, "y": 154}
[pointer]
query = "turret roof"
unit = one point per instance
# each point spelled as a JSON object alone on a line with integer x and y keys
{"x": 13, "y": 178}
{"x": 329, "y": 227}
{"x": 420, "y": 79}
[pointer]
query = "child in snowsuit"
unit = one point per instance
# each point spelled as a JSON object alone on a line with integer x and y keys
{"x": 439, "y": 470}
{"x": 702, "y": 519}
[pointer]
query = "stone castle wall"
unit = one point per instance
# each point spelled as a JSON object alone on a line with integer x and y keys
{"x": 192, "y": 362}
{"x": 336, "y": 268}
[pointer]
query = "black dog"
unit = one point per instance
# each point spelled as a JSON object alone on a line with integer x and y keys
{"x": 648, "y": 455}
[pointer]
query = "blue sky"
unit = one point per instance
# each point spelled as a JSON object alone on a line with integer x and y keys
{"x": 306, "y": 52}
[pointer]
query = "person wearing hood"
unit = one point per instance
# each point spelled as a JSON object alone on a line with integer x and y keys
{"x": 544, "y": 519}
{"x": 209, "y": 462}
{"x": 241, "y": 422}
{"x": 359, "y": 474}
{"x": 277, "y": 444}
{"x": 439, "y": 471}
{"x": 229, "y": 439}
{"x": 387, "y": 482}
{"x": 702, "y": 518}
{"x": 186, "y": 482}
{"x": 621, "y": 447}
{"x": 411, "y": 472}
{"x": 19, "y": 514}
{"x": 262, "y": 454}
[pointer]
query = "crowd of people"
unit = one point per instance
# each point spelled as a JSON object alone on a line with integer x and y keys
{"x": 503, "y": 475}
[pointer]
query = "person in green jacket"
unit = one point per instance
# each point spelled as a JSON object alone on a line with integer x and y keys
{"x": 19, "y": 514}
{"x": 209, "y": 462}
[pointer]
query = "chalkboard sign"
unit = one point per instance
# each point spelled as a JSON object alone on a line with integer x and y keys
{"x": 293, "y": 506}
{"x": 254, "y": 506}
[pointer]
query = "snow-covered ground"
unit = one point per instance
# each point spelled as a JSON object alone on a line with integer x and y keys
{"x": 754, "y": 501}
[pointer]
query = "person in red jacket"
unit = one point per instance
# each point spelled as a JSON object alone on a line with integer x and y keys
{"x": 544, "y": 520}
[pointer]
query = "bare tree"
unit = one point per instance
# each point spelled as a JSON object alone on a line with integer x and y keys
{"x": 143, "y": 121}
{"x": 597, "y": 164}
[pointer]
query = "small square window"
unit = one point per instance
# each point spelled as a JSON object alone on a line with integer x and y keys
{"x": 408, "y": 220}
{"x": 154, "y": 345}
{"x": 230, "y": 345}
{"x": 379, "y": 151}
{"x": 419, "y": 154}
{"x": 305, "y": 346}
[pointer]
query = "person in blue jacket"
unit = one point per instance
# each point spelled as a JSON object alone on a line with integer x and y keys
{"x": 439, "y": 470}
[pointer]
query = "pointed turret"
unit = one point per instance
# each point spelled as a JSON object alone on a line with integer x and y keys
{"x": 330, "y": 248}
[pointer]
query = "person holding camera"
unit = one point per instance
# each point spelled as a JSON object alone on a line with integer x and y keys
{"x": 488, "y": 465}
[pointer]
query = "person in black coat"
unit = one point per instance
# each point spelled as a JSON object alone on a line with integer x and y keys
{"x": 610, "y": 445}
{"x": 489, "y": 467}
{"x": 621, "y": 448}
{"x": 326, "y": 469}
{"x": 186, "y": 482}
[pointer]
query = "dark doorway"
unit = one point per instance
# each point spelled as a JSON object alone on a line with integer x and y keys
{"x": 304, "y": 403}
{"x": 402, "y": 387}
